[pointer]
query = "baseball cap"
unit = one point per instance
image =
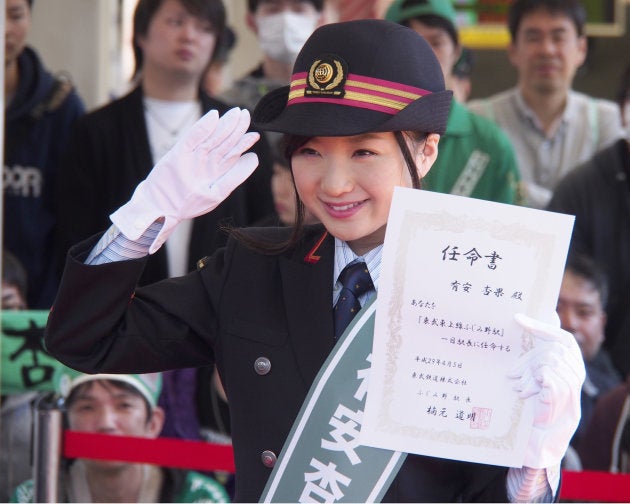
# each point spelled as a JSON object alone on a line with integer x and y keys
{"x": 149, "y": 385}
{"x": 402, "y": 10}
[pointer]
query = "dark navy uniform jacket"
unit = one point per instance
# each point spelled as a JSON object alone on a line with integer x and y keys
{"x": 243, "y": 305}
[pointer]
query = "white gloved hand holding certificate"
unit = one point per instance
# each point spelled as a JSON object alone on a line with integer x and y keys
{"x": 552, "y": 373}
{"x": 194, "y": 177}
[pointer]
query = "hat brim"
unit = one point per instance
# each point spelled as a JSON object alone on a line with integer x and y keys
{"x": 128, "y": 379}
{"x": 428, "y": 114}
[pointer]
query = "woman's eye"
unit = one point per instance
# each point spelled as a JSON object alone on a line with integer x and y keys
{"x": 307, "y": 151}
{"x": 364, "y": 152}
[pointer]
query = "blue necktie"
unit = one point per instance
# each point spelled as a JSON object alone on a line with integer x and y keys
{"x": 356, "y": 281}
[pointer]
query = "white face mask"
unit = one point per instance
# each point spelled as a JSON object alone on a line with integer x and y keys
{"x": 282, "y": 35}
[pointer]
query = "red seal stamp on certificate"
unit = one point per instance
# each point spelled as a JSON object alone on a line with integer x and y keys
{"x": 480, "y": 418}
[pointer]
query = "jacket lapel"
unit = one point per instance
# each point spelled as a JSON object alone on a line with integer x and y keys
{"x": 307, "y": 286}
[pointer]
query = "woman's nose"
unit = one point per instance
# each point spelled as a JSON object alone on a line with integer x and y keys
{"x": 337, "y": 179}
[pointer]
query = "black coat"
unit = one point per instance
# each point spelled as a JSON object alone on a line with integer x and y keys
{"x": 109, "y": 155}
{"x": 241, "y": 306}
{"x": 598, "y": 194}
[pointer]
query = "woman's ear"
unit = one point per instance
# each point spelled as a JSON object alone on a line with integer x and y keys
{"x": 139, "y": 42}
{"x": 427, "y": 155}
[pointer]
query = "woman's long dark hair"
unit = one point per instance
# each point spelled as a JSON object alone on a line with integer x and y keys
{"x": 291, "y": 144}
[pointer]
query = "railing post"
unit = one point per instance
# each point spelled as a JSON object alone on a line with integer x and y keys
{"x": 47, "y": 447}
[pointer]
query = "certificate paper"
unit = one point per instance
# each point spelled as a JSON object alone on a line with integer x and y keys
{"x": 455, "y": 270}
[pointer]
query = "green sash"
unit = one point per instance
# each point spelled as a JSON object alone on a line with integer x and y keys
{"x": 322, "y": 460}
{"x": 25, "y": 366}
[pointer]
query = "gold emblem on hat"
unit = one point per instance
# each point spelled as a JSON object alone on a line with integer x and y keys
{"x": 325, "y": 77}
{"x": 323, "y": 73}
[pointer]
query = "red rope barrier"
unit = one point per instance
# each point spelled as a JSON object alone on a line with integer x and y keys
{"x": 595, "y": 486}
{"x": 167, "y": 452}
{"x": 577, "y": 486}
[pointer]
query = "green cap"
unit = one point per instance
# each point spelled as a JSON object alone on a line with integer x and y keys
{"x": 149, "y": 385}
{"x": 402, "y": 10}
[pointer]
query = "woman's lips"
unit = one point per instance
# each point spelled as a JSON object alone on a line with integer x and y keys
{"x": 344, "y": 210}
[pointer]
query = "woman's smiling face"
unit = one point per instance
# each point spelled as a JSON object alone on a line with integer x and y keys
{"x": 348, "y": 182}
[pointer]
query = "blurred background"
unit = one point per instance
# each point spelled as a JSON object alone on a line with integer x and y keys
{"x": 91, "y": 40}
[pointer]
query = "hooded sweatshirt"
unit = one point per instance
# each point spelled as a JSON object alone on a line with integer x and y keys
{"x": 37, "y": 124}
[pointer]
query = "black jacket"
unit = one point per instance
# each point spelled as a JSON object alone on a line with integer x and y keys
{"x": 241, "y": 306}
{"x": 598, "y": 194}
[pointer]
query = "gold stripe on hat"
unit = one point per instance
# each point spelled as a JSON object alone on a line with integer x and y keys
{"x": 298, "y": 93}
{"x": 358, "y": 97}
{"x": 361, "y": 89}
{"x": 298, "y": 82}
{"x": 383, "y": 89}
{"x": 378, "y": 100}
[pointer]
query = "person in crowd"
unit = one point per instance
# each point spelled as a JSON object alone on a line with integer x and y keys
{"x": 597, "y": 194}
{"x": 283, "y": 192}
{"x": 462, "y": 75}
{"x": 14, "y": 283}
{"x": 552, "y": 127}
{"x": 113, "y": 148}
{"x": 606, "y": 441}
{"x": 120, "y": 405}
{"x": 40, "y": 109}
{"x": 581, "y": 308}
{"x": 15, "y": 409}
{"x": 196, "y": 408}
{"x": 281, "y": 28}
{"x": 262, "y": 307}
{"x": 214, "y": 78}
{"x": 476, "y": 158}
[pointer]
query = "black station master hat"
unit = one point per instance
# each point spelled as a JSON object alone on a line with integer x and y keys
{"x": 357, "y": 77}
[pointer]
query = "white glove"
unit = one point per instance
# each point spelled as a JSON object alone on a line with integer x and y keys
{"x": 553, "y": 372}
{"x": 197, "y": 174}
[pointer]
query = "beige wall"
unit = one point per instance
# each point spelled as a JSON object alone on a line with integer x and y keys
{"x": 75, "y": 36}
{"x": 246, "y": 54}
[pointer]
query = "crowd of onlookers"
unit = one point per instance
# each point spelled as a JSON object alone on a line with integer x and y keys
{"x": 540, "y": 144}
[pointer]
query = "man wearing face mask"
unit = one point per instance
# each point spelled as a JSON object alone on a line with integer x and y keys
{"x": 598, "y": 194}
{"x": 282, "y": 27}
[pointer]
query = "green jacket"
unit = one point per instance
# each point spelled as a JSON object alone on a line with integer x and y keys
{"x": 476, "y": 159}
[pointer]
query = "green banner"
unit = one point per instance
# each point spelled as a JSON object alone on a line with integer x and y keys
{"x": 322, "y": 459}
{"x": 24, "y": 364}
